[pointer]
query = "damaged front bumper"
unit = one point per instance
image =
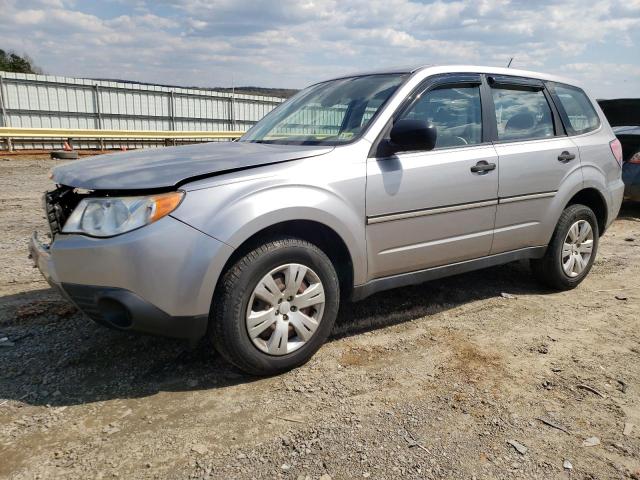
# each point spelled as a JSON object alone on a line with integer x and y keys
{"x": 158, "y": 279}
{"x": 41, "y": 256}
{"x": 116, "y": 307}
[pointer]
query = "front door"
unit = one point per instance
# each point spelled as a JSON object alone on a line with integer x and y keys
{"x": 426, "y": 209}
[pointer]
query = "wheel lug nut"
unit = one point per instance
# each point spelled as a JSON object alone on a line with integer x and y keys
{"x": 285, "y": 317}
{"x": 293, "y": 309}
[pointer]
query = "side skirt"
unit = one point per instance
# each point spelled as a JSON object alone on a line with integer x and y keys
{"x": 414, "y": 278}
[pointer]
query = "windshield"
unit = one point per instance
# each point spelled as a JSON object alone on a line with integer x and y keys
{"x": 329, "y": 113}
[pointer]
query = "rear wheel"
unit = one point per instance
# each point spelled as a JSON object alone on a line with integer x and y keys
{"x": 572, "y": 249}
{"x": 275, "y": 306}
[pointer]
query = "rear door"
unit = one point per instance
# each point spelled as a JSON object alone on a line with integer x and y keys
{"x": 431, "y": 208}
{"x": 535, "y": 157}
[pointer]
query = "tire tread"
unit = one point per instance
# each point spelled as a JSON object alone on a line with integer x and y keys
{"x": 548, "y": 270}
{"x": 225, "y": 307}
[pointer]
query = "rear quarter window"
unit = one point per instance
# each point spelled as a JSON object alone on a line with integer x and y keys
{"x": 576, "y": 109}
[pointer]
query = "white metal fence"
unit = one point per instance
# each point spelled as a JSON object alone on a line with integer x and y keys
{"x": 44, "y": 101}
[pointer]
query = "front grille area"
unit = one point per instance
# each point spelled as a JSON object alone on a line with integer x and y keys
{"x": 58, "y": 205}
{"x": 87, "y": 304}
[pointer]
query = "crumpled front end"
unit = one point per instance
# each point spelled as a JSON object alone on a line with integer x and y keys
{"x": 157, "y": 279}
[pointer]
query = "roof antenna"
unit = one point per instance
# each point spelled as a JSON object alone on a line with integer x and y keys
{"x": 509, "y": 64}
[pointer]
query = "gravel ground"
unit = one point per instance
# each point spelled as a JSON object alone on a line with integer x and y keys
{"x": 448, "y": 380}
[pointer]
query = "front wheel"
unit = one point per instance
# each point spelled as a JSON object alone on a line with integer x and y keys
{"x": 572, "y": 249}
{"x": 275, "y": 306}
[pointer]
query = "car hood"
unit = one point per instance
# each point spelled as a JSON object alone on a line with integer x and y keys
{"x": 173, "y": 166}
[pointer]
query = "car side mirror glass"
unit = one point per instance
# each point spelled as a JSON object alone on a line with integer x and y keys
{"x": 407, "y": 135}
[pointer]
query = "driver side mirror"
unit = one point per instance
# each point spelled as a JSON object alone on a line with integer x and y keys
{"x": 407, "y": 135}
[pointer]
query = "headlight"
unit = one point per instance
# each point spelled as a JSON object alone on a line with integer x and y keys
{"x": 109, "y": 216}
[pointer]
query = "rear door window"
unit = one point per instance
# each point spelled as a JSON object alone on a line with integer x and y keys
{"x": 522, "y": 114}
{"x": 576, "y": 109}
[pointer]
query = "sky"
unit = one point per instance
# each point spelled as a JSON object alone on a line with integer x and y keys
{"x": 292, "y": 43}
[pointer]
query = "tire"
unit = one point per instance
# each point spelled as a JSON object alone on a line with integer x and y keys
{"x": 550, "y": 269}
{"x": 229, "y": 325}
{"x": 64, "y": 155}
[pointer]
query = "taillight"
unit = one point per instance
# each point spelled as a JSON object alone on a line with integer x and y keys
{"x": 635, "y": 159}
{"x": 616, "y": 149}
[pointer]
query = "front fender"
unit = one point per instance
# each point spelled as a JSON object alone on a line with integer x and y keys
{"x": 234, "y": 212}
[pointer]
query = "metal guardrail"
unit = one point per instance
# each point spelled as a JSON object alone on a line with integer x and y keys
{"x": 9, "y": 134}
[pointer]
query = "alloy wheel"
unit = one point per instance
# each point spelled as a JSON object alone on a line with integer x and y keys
{"x": 577, "y": 248}
{"x": 285, "y": 309}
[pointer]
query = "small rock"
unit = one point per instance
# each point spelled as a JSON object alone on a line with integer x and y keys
{"x": 628, "y": 427}
{"x": 285, "y": 467}
{"x": 4, "y": 342}
{"x": 622, "y": 448}
{"x": 629, "y": 239}
{"x": 621, "y": 297}
{"x": 567, "y": 465}
{"x": 127, "y": 412}
{"x": 521, "y": 449}
{"x": 591, "y": 442}
{"x": 507, "y": 295}
{"x": 199, "y": 449}
{"x": 325, "y": 476}
{"x": 110, "y": 429}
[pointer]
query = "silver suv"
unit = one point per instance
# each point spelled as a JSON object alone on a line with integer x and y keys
{"x": 355, "y": 185}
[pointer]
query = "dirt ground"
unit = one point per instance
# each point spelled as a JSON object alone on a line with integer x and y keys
{"x": 431, "y": 382}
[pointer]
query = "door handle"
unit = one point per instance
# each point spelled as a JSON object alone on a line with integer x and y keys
{"x": 566, "y": 156}
{"x": 483, "y": 167}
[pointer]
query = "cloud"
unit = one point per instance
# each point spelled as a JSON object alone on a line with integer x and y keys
{"x": 618, "y": 79}
{"x": 291, "y": 43}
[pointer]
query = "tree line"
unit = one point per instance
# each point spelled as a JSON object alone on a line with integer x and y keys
{"x": 12, "y": 62}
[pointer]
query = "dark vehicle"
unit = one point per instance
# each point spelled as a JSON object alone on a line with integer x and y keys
{"x": 624, "y": 116}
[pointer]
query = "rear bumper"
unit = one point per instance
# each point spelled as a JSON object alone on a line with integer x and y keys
{"x": 615, "y": 196}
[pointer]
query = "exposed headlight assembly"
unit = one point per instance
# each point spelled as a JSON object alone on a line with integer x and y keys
{"x": 109, "y": 216}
